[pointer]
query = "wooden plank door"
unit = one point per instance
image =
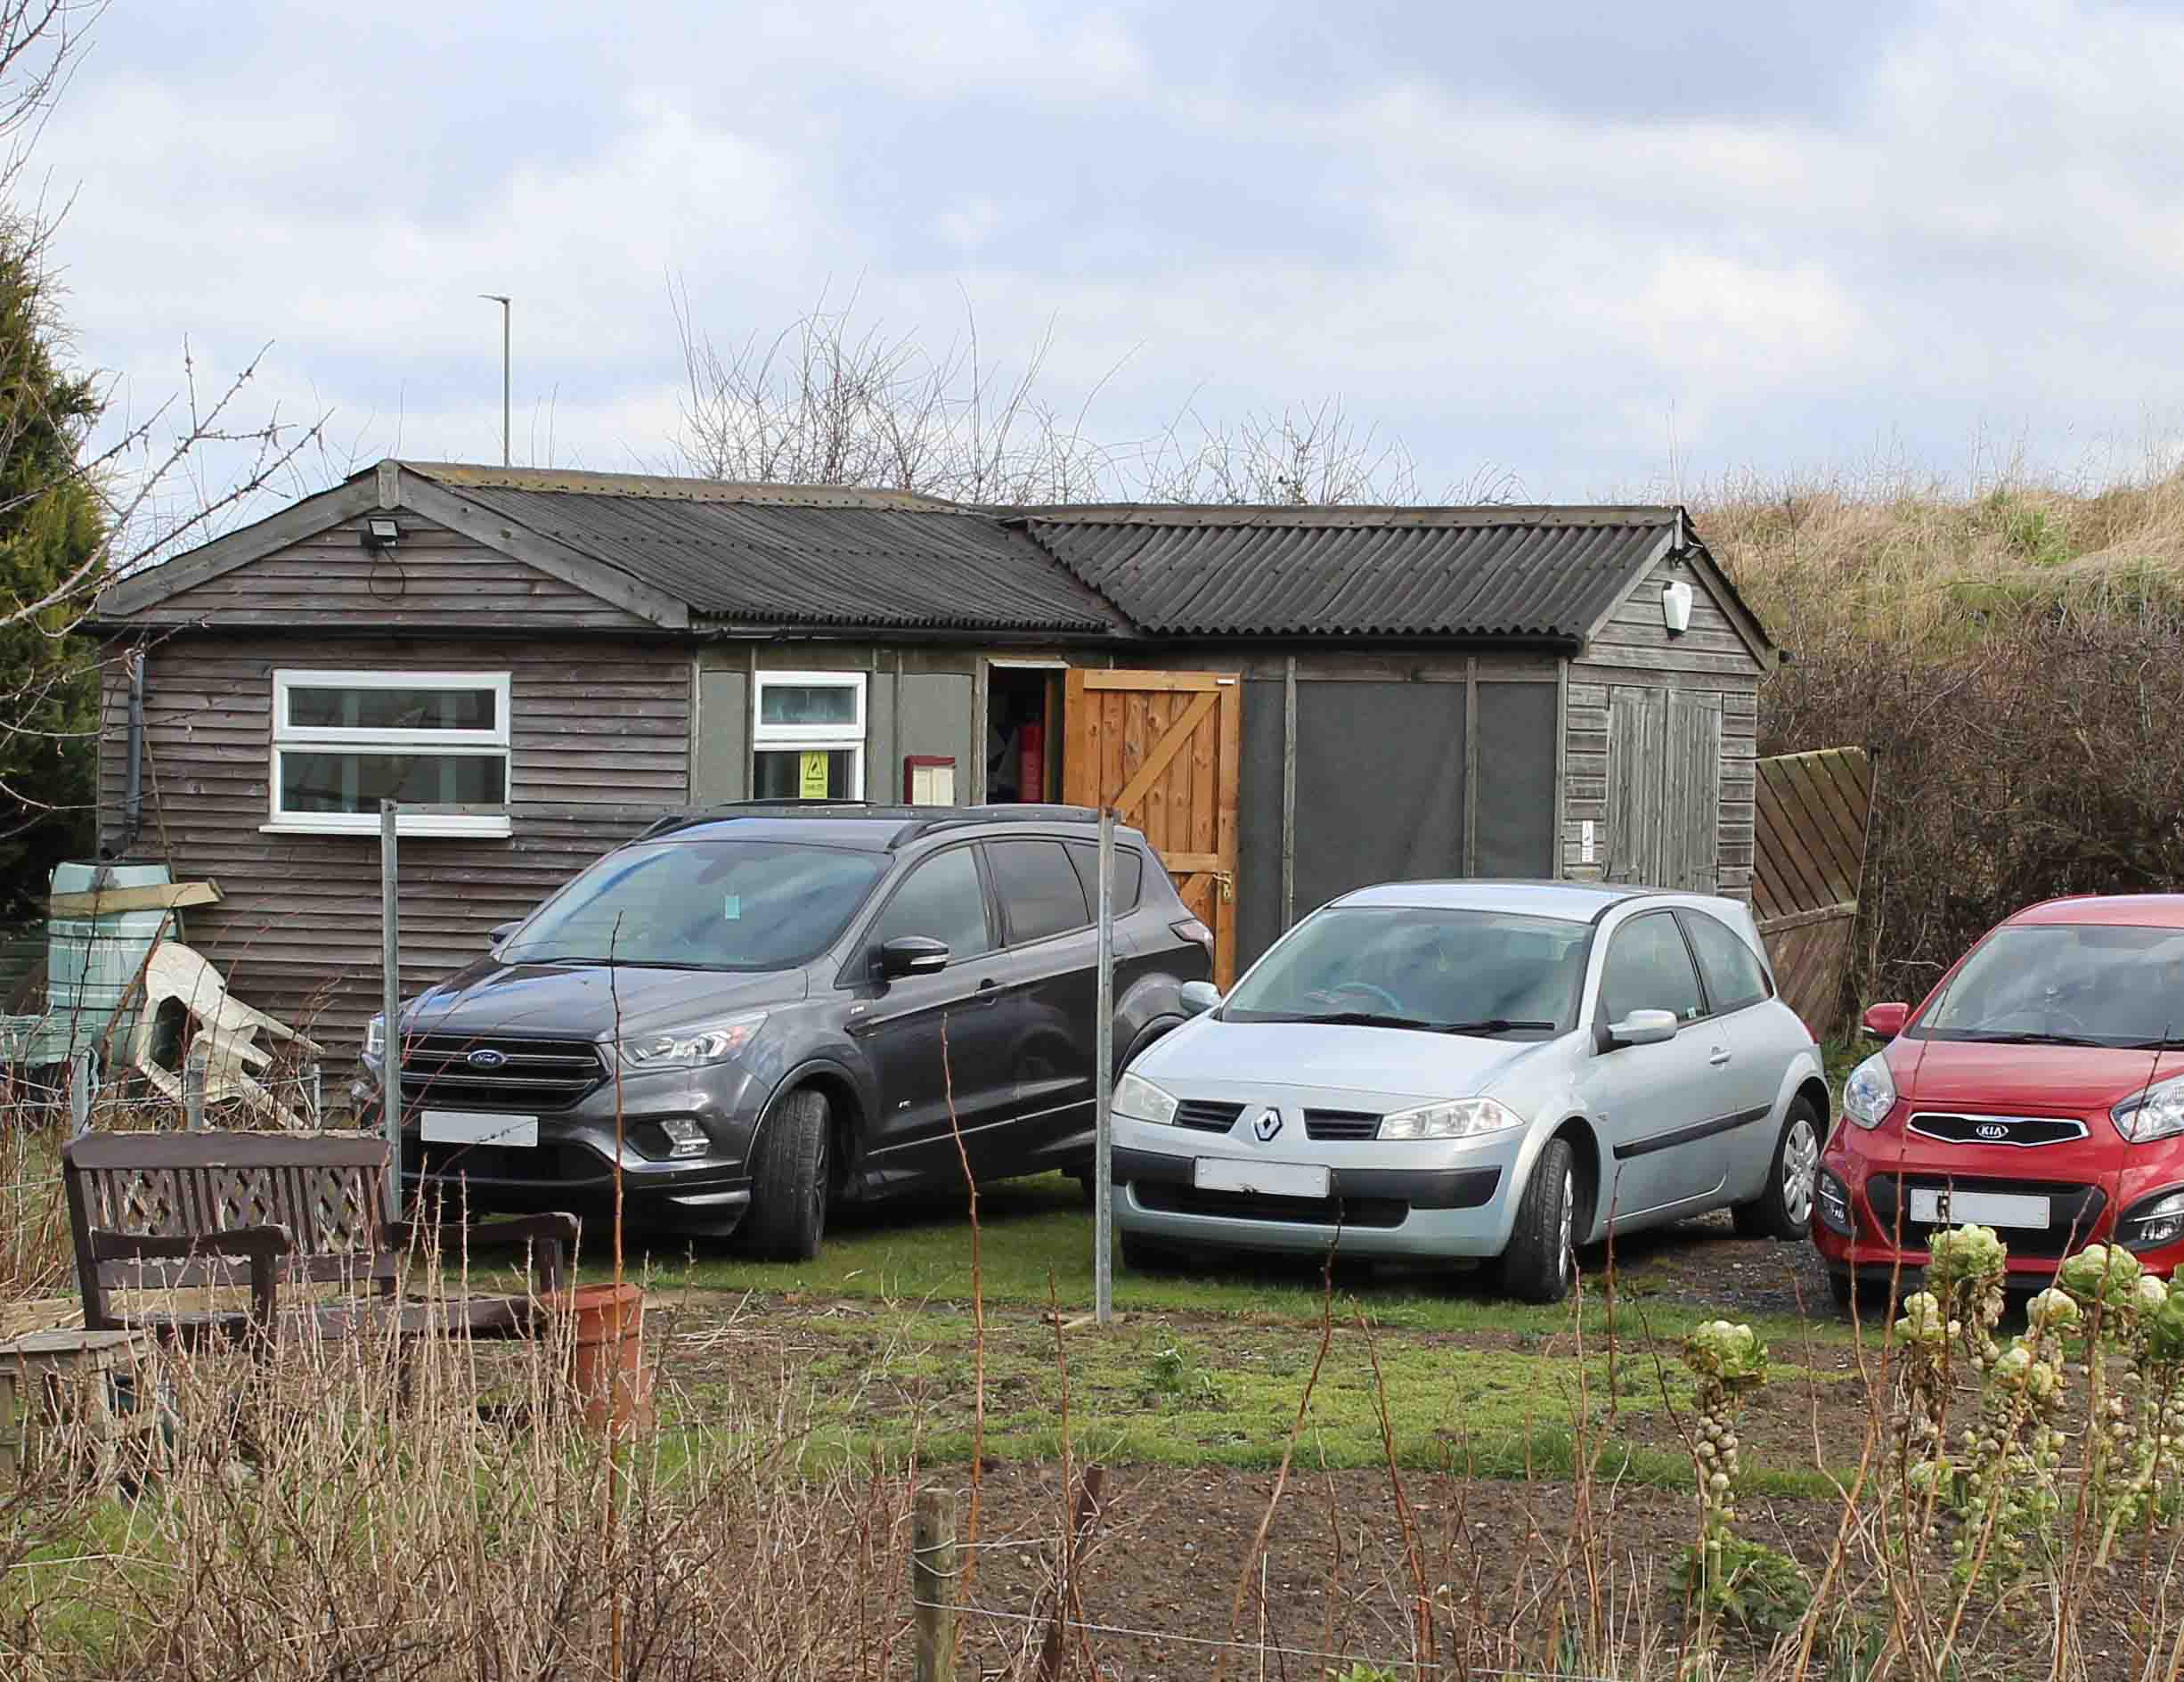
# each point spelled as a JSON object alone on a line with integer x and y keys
{"x": 1164, "y": 749}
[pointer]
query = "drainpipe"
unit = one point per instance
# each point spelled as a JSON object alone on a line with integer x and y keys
{"x": 133, "y": 786}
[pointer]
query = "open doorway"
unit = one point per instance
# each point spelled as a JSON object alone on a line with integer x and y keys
{"x": 1023, "y": 733}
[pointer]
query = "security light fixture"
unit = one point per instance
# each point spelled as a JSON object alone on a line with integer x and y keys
{"x": 381, "y": 534}
{"x": 1677, "y": 607}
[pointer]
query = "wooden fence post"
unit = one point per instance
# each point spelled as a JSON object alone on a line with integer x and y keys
{"x": 933, "y": 1584}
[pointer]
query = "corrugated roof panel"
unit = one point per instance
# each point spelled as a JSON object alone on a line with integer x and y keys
{"x": 799, "y": 563}
{"x": 1436, "y": 572}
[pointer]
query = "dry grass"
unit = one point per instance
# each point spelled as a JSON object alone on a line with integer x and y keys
{"x": 1831, "y": 565}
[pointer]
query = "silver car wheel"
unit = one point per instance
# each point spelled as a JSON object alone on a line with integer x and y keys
{"x": 1800, "y": 1163}
{"x": 1567, "y": 1231}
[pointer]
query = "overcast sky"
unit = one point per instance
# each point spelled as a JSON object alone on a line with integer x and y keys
{"x": 1590, "y": 246}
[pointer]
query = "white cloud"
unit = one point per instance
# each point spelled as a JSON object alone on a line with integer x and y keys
{"x": 1976, "y": 229}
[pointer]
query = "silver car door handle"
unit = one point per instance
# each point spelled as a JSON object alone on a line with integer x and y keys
{"x": 1719, "y": 1056}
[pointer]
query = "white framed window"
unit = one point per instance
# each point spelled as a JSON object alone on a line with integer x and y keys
{"x": 344, "y": 742}
{"x": 808, "y": 736}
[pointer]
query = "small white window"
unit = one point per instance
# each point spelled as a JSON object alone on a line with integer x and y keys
{"x": 344, "y": 742}
{"x": 808, "y": 736}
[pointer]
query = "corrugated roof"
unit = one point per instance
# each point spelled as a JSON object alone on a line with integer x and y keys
{"x": 1482, "y": 572}
{"x": 796, "y": 555}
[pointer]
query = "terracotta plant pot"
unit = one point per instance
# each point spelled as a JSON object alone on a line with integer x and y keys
{"x": 608, "y": 1372}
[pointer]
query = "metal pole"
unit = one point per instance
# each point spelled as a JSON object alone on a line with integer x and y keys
{"x": 502, "y": 300}
{"x": 390, "y": 1002}
{"x": 1104, "y": 1079}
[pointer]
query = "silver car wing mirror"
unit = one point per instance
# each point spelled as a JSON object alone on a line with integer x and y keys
{"x": 1199, "y": 997}
{"x": 1642, "y": 1027}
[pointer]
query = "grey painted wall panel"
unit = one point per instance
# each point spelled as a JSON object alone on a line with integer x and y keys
{"x": 720, "y": 750}
{"x": 1516, "y": 780}
{"x": 935, "y": 718}
{"x": 1259, "y": 821}
{"x": 1380, "y": 785}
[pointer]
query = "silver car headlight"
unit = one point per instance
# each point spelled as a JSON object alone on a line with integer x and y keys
{"x": 690, "y": 1048}
{"x": 1870, "y": 1093}
{"x": 1462, "y": 1118}
{"x": 375, "y": 1034}
{"x": 2156, "y": 1113}
{"x": 1140, "y": 1100}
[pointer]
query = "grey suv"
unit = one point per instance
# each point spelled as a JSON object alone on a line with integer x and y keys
{"x": 781, "y": 1005}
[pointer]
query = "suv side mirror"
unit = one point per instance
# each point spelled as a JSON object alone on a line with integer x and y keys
{"x": 1642, "y": 1027}
{"x": 910, "y": 955}
{"x": 1199, "y": 997}
{"x": 496, "y": 935}
{"x": 1884, "y": 1022}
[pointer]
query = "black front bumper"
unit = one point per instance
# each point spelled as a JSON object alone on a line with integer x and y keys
{"x": 1418, "y": 1188}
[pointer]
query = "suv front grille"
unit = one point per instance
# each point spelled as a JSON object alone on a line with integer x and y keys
{"x": 1335, "y": 1125}
{"x": 1206, "y": 1116}
{"x": 533, "y": 1075}
{"x": 1998, "y": 1130}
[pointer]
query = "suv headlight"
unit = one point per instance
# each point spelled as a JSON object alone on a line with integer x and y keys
{"x": 2156, "y": 1113}
{"x": 1463, "y": 1118}
{"x": 1870, "y": 1093}
{"x": 1142, "y": 1101}
{"x": 375, "y": 1035}
{"x": 690, "y": 1048}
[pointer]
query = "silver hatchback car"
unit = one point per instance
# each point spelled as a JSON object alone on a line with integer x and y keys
{"x": 1434, "y": 1070}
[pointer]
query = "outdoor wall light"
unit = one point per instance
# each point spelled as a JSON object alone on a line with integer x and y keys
{"x": 1677, "y": 607}
{"x": 381, "y": 534}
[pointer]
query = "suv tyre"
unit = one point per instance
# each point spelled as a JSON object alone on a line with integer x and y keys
{"x": 791, "y": 1182}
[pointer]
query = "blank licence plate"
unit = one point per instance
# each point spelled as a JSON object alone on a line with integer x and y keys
{"x": 468, "y": 1127}
{"x": 1987, "y": 1208}
{"x": 1267, "y": 1180}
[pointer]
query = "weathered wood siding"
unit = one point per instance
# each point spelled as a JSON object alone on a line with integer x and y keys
{"x": 1645, "y": 715}
{"x": 431, "y": 579}
{"x": 599, "y": 735}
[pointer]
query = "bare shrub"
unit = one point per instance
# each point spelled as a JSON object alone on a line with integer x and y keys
{"x": 2010, "y": 658}
{"x": 354, "y": 1511}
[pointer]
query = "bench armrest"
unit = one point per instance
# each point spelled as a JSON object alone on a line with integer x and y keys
{"x": 553, "y": 1236}
{"x": 261, "y": 1246}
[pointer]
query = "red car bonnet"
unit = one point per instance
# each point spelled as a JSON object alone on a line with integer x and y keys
{"x": 2024, "y": 1078}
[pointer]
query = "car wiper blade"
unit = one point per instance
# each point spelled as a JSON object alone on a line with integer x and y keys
{"x": 1353, "y": 1019}
{"x": 2033, "y": 1039}
{"x": 1491, "y": 1025}
{"x": 2151, "y": 1045}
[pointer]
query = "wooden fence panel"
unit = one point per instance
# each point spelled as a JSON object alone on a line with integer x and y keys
{"x": 1811, "y": 814}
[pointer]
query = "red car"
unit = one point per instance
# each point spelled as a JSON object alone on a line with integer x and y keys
{"x": 2038, "y": 1091}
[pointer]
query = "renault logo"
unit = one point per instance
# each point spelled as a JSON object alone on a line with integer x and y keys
{"x": 1268, "y": 1126}
{"x": 486, "y": 1058}
{"x": 1992, "y": 1130}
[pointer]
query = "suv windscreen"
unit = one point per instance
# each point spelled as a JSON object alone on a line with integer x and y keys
{"x": 702, "y": 905}
{"x": 2066, "y": 984}
{"x": 1459, "y": 971}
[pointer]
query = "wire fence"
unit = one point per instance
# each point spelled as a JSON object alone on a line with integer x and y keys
{"x": 1070, "y": 1626}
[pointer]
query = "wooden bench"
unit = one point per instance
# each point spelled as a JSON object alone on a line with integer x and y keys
{"x": 192, "y": 1212}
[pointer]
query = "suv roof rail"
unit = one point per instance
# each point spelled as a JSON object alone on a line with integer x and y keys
{"x": 932, "y": 818}
{"x": 916, "y": 820}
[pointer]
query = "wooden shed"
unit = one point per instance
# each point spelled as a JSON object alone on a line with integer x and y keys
{"x": 1290, "y": 701}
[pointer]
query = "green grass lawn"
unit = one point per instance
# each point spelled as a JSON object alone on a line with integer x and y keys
{"x": 1036, "y": 1236}
{"x": 899, "y": 1376}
